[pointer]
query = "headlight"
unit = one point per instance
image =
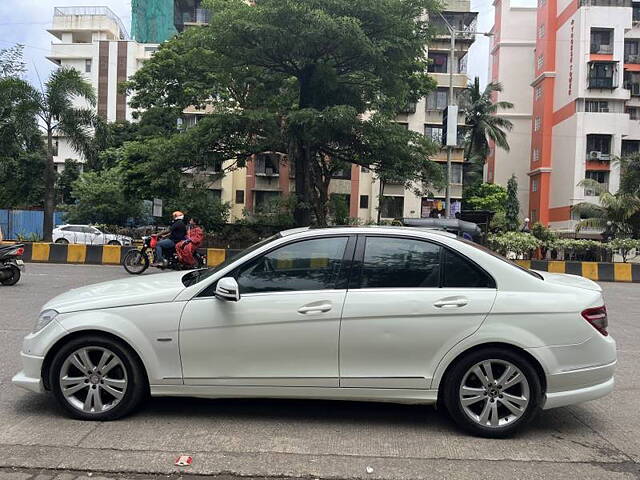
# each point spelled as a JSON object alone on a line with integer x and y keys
{"x": 44, "y": 319}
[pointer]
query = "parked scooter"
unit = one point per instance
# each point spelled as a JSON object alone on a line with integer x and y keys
{"x": 11, "y": 263}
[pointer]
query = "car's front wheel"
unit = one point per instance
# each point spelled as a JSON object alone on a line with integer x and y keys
{"x": 493, "y": 392}
{"x": 96, "y": 378}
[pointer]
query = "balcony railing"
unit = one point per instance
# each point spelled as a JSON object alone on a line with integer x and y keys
{"x": 92, "y": 11}
{"x": 601, "y": 82}
{"x": 634, "y": 87}
{"x": 632, "y": 58}
{"x": 605, "y": 3}
{"x": 193, "y": 16}
{"x": 601, "y": 49}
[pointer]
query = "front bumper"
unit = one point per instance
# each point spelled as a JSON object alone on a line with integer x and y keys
{"x": 30, "y": 377}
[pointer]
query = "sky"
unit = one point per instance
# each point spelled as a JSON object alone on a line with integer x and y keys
{"x": 27, "y": 21}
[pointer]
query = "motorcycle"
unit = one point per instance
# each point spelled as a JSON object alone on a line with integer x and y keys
{"x": 136, "y": 261}
{"x": 11, "y": 263}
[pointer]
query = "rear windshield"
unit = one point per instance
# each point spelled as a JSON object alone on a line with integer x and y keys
{"x": 197, "y": 276}
{"x": 495, "y": 255}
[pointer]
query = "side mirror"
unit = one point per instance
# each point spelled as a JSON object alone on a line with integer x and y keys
{"x": 228, "y": 289}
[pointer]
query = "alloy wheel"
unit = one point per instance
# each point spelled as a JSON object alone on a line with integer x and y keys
{"x": 494, "y": 393}
{"x": 93, "y": 379}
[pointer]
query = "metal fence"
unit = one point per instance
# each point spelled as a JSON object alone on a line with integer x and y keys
{"x": 26, "y": 224}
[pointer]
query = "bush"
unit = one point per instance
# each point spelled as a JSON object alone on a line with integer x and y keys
{"x": 519, "y": 243}
{"x": 624, "y": 247}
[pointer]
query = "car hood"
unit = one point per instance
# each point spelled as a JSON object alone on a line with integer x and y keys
{"x": 156, "y": 288}
{"x": 568, "y": 280}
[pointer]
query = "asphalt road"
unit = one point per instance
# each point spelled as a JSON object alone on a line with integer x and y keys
{"x": 316, "y": 439}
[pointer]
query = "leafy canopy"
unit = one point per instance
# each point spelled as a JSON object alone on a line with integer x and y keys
{"x": 298, "y": 78}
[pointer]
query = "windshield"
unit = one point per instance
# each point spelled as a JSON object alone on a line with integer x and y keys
{"x": 496, "y": 255}
{"x": 197, "y": 276}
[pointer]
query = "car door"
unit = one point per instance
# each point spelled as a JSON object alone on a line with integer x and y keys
{"x": 284, "y": 329}
{"x": 73, "y": 234}
{"x": 409, "y": 301}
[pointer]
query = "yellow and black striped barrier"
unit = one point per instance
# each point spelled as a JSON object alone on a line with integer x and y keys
{"x": 99, "y": 254}
{"x": 597, "y": 271}
{"x": 114, "y": 254}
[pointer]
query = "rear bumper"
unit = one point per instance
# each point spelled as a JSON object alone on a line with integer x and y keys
{"x": 577, "y": 386}
{"x": 30, "y": 377}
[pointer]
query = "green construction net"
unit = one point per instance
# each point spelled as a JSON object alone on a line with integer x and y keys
{"x": 152, "y": 21}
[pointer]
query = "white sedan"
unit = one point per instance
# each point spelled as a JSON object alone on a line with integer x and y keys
{"x": 373, "y": 314}
{"x": 87, "y": 235}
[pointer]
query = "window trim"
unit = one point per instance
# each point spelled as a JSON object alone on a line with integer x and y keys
{"x": 358, "y": 263}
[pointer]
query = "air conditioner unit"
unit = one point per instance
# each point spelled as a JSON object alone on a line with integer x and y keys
{"x": 605, "y": 49}
{"x": 594, "y": 155}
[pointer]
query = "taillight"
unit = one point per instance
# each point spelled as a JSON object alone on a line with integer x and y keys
{"x": 597, "y": 317}
{"x": 20, "y": 251}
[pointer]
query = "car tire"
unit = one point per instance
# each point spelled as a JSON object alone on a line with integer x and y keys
{"x": 62, "y": 241}
{"x": 493, "y": 402}
{"x": 114, "y": 242}
{"x": 115, "y": 392}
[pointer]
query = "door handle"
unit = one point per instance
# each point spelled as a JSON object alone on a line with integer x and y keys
{"x": 454, "y": 302}
{"x": 324, "y": 307}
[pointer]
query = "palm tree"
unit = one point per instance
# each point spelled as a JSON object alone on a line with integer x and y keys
{"x": 482, "y": 123}
{"x": 619, "y": 209}
{"x": 55, "y": 105}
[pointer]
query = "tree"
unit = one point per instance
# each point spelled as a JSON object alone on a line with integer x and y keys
{"x": 99, "y": 198}
{"x": 630, "y": 174}
{"x": 65, "y": 181}
{"x": 21, "y": 147}
{"x": 483, "y": 125}
{"x": 297, "y": 78}
{"x": 485, "y": 196}
{"x": 512, "y": 205}
{"x": 615, "y": 212}
{"x": 11, "y": 62}
{"x": 55, "y": 108}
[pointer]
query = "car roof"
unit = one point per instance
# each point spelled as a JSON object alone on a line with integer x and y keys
{"x": 368, "y": 229}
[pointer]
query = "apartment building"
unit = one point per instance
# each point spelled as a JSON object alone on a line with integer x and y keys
{"x": 511, "y": 56}
{"x": 94, "y": 41}
{"x": 586, "y": 95}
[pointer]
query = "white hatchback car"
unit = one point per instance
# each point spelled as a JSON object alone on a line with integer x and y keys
{"x": 87, "y": 235}
{"x": 374, "y": 314}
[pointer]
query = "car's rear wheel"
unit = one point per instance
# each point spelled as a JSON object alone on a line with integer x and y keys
{"x": 62, "y": 241}
{"x": 96, "y": 378}
{"x": 493, "y": 392}
{"x": 114, "y": 242}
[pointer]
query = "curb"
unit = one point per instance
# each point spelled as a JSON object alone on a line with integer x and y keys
{"x": 597, "y": 271}
{"x": 100, "y": 254}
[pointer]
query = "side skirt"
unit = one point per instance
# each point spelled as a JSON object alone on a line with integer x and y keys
{"x": 324, "y": 393}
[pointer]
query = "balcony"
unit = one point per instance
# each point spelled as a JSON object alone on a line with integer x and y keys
{"x": 603, "y": 74}
{"x": 632, "y": 58}
{"x": 605, "y": 49}
{"x": 634, "y": 88}
{"x": 463, "y": 22}
{"x": 596, "y": 156}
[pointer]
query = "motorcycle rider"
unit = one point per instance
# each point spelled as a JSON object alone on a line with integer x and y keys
{"x": 177, "y": 233}
{"x": 187, "y": 249}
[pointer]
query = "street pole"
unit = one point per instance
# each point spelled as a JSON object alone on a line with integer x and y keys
{"x": 450, "y": 102}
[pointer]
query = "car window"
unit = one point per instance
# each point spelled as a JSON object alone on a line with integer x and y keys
{"x": 400, "y": 263}
{"x": 459, "y": 272}
{"x": 88, "y": 229}
{"x": 307, "y": 265}
{"x": 75, "y": 229}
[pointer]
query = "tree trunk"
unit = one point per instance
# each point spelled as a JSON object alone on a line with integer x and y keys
{"x": 300, "y": 155}
{"x": 49, "y": 191}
